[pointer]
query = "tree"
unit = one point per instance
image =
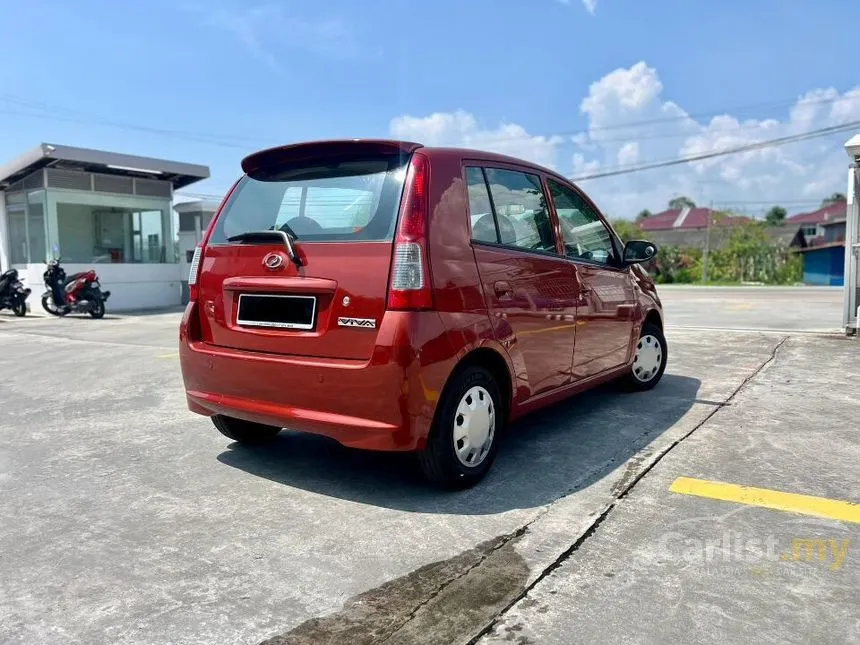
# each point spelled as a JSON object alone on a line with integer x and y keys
{"x": 626, "y": 229}
{"x": 643, "y": 214}
{"x": 677, "y": 203}
{"x": 835, "y": 198}
{"x": 776, "y": 216}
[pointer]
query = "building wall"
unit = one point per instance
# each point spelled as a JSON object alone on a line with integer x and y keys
{"x": 824, "y": 267}
{"x": 834, "y": 233}
{"x": 132, "y": 286}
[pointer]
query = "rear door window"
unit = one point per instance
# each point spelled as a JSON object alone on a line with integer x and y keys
{"x": 480, "y": 209}
{"x": 520, "y": 208}
{"x": 350, "y": 200}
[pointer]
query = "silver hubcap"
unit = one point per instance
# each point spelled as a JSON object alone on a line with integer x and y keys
{"x": 474, "y": 426}
{"x": 649, "y": 358}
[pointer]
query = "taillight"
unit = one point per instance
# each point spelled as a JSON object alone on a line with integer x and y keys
{"x": 410, "y": 287}
{"x": 194, "y": 273}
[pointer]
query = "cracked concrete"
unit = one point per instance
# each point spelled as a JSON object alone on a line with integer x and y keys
{"x": 639, "y": 578}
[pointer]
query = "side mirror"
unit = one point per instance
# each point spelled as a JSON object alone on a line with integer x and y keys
{"x": 636, "y": 251}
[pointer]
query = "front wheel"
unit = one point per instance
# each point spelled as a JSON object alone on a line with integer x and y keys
{"x": 649, "y": 359}
{"x": 20, "y": 307}
{"x": 463, "y": 441}
{"x": 97, "y": 309}
{"x": 246, "y": 432}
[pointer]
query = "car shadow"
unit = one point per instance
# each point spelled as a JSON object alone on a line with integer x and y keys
{"x": 544, "y": 456}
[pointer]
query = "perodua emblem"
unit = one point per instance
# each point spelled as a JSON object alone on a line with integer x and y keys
{"x": 273, "y": 261}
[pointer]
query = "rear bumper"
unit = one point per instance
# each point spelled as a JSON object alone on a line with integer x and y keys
{"x": 384, "y": 403}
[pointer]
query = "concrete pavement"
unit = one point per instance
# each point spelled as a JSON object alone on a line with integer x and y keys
{"x": 663, "y": 567}
{"x": 126, "y": 518}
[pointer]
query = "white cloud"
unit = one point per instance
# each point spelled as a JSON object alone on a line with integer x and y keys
{"x": 807, "y": 170}
{"x": 461, "y": 129}
{"x": 629, "y": 154}
{"x": 590, "y": 5}
{"x": 267, "y": 32}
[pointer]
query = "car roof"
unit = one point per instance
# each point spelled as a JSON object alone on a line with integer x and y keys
{"x": 486, "y": 155}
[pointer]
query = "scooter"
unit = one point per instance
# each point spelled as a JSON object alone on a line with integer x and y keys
{"x": 13, "y": 294}
{"x": 78, "y": 293}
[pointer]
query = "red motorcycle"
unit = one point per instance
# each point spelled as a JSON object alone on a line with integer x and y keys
{"x": 78, "y": 293}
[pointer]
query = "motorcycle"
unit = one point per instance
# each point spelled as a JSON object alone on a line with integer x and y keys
{"x": 77, "y": 293}
{"x": 13, "y": 294}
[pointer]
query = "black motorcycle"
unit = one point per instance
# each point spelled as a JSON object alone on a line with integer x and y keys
{"x": 13, "y": 294}
{"x": 77, "y": 293}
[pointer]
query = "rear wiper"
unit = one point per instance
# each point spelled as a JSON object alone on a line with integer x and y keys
{"x": 262, "y": 237}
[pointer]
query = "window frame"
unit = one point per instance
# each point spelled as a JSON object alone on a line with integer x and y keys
{"x": 483, "y": 166}
{"x": 617, "y": 244}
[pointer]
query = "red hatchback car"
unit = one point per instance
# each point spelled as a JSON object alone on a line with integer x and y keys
{"x": 400, "y": 297}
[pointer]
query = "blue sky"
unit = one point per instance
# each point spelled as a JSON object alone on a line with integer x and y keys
{"x": 523, "y": 76}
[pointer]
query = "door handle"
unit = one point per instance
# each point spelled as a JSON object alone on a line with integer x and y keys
{"x": 502, "y": 289}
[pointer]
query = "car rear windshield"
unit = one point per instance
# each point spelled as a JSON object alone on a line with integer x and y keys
{"x": 332, "y": 201}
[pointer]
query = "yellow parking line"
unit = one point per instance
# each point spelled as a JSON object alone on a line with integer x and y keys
{"x": 174, "y": 355}
{"x": 831, "y": 509}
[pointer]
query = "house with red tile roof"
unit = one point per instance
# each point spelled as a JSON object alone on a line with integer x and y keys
{"x": 688, "y": 228}
{"x": 813, "y": 224}
{"x": 824, "y": 230}
{"x": 688, "y": 219}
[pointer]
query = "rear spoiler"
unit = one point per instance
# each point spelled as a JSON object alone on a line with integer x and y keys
{"x": 317, "y": 150}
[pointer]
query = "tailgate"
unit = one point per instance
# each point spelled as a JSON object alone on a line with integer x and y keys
{"x": 345, "y": 283}
{"x": 319, "y": 291}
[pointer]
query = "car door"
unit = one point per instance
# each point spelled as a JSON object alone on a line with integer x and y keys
{"x": 606, "y": 312}
{"x": 528, "y": 286}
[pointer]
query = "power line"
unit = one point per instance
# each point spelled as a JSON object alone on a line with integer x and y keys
{"x": 623, "y": 170}
{"x": 60, "y": 113}
{"x": 760, "y": 145}
{"x": 699, "y": 115}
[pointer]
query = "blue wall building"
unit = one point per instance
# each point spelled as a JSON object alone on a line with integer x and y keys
{"x": 824, "y": 265}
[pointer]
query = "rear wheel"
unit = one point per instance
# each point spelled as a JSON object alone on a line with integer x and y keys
{"x": 649, "y": 360}
{"x": 50, "y": 306}
{"x": 246, "y": 432}
{"x": 463, "y": 441}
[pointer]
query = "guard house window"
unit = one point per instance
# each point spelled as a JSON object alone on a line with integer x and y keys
{"x": 126, "y": 235}
{"x": 17, "y": 214}
{"x": 27, "y": 240}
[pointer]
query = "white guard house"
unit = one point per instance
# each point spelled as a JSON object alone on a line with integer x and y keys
{"x": 851, "y": 316}
{"x": 93, "y": 209}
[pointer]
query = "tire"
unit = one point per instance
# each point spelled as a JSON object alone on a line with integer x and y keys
{"x": 245, "y": 432}
{"x": 20, "y": 308}
{"x": 52, "y": 309}
{"x": 439, "y": 459}
{"x": 650, "y": 347}
{"x": 97, "y": 310}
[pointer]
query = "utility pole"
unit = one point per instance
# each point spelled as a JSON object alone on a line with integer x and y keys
{"x": 707, "y": 250}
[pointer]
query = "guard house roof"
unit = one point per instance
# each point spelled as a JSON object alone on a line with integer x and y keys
{"x": 110, "y": 163}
